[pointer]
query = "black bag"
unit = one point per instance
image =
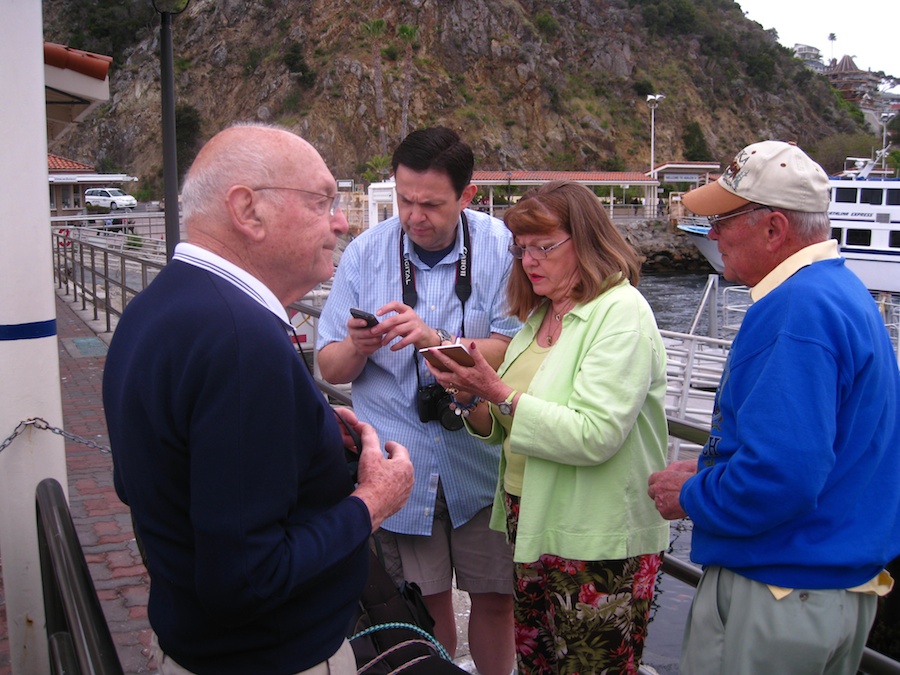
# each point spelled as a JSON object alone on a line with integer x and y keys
{"x": 381, "y": 647}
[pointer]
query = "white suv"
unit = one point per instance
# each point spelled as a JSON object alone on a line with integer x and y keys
{"x": 112, "y": 198}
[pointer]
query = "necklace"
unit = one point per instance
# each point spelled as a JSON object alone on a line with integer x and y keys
{"x": 553, "y": 333}
{"x": 550, "y": 332}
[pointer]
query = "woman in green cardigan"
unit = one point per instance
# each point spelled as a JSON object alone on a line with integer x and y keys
{"x": 578, "y": 405}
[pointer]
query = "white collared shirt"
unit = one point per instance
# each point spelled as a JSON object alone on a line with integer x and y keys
{"x": 240, "y": 278}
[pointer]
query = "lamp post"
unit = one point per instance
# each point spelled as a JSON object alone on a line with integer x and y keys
{"x": 653, "y": 103}
{"x": 166, "y": 10}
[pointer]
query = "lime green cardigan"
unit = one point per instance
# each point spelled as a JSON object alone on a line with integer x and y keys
{"x": 592, "y": 426}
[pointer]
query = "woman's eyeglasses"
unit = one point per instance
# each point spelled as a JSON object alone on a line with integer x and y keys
{"x": 536, "y": 252}
{"x": 715, "y": 222}
{"x": 335, "y": 200}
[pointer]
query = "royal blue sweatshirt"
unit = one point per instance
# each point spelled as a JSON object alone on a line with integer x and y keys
{"x": 798, "y": 484}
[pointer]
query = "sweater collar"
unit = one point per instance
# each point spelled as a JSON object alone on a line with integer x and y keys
{"x": 824, "y": 250}
{"x": 240, "y": 278}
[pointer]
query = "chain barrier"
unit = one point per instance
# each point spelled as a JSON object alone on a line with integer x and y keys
{"x": 43, "y": 425}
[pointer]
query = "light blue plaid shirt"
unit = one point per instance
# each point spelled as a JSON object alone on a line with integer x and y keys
{"x": 368, "y": 277}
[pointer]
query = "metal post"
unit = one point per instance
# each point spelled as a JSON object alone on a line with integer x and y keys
{"x": 653, "y": 103}
{"x": 29, "y": 348}
{"x": 170, "y": 159}
{"x": 653, "y": 141}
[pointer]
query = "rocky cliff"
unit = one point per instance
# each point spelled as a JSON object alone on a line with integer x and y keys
{"x": 558, "y": 84}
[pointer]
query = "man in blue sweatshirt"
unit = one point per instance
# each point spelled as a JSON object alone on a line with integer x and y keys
{"x": 794, "y": 499}
{"x": 231, "y": 460}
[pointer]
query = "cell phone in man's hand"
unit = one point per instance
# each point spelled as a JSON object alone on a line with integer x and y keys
{"x": 371, "y": 319}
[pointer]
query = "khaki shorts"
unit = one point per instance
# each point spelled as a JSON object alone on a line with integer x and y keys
{"x": 480, "y": 557}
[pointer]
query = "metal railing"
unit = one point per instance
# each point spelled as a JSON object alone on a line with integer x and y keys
{"x": 78, "y": 636}
{"x": 104, "y": 269}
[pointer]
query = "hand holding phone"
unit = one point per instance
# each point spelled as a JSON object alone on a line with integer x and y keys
{"x": 371, "y": 319}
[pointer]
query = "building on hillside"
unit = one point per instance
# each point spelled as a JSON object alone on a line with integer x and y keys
{"x": 859, "y": 87}
{"x": 811, "y": 57}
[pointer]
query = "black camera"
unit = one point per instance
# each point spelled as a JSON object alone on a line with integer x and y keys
{"x": 433, "y": 403}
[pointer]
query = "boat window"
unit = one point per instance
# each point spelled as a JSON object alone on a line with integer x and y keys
{"x": 837, "y": 233}
{"x": 894, "y": 239}
{"x": 859, "y": 237}
{"x": 872, "y": 196}
{"x": 893, "y": 197}
{"x": 845, "y": 195}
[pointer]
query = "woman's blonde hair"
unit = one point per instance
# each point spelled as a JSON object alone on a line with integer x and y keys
{"x": 603, "y": 255}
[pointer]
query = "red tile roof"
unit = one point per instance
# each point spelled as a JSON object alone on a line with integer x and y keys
{"x": 86, "y": 63}
{"x": 61, "y": 164}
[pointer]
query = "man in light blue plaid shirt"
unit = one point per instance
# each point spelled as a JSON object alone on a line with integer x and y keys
{"x": 436, "y": 272}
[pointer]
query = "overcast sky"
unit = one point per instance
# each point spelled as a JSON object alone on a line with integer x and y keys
{"x": 865, "y": 29}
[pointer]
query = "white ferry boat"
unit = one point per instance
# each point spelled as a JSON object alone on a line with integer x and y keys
{"x": 865, "y": 220}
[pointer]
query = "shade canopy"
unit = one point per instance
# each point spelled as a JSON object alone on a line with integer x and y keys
{"x": 75, "y": 83}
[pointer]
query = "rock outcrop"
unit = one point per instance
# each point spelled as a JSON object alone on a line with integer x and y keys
{"x": 529, "y": 84}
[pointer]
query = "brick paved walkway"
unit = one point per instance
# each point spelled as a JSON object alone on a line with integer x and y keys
{"x": 102, "y": 522}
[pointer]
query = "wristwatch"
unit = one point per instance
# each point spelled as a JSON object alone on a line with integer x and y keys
{"x": 505, "y": 407}
{"x": 443, "y": 335}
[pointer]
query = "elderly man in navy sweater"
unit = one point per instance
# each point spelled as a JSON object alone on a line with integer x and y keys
{"x": 794, "y": 499}
{"x": 231, "y": 460}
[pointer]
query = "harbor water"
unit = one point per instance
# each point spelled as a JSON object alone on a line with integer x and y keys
{"x": 675, "y": 299}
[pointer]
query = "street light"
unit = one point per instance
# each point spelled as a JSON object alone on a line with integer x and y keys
{"x": 653, "y": 103}
{"x": 166, "y": 10}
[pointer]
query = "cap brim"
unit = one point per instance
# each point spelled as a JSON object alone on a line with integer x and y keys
{"x": 712, "y": 199}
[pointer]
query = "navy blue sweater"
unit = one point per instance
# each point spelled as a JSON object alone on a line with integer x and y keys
{"x": 231, "y": 461}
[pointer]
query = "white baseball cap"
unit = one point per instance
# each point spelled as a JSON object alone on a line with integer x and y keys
{"x": 773, "y": 173}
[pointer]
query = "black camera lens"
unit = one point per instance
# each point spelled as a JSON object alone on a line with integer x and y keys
{"x": 449, "y": 419}
{"x": 433, "y": 405}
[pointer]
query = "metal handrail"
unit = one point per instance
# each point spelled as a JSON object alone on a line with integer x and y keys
{"x": 77, "y": 632}
{"x": 709, "y": 302}
{"x": 106, "y": 278}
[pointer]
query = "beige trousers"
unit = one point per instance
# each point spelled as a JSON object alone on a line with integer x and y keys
{"x": 343, "y": 662}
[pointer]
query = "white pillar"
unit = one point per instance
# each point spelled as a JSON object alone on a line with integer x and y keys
{"x": 29, "y": 361}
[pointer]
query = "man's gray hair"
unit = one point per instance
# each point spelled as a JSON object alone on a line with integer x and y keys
{"x": 809, "y": 227}
{"x": 204, "y": 188}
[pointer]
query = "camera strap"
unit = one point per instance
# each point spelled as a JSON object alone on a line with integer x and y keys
{"x": 463, "y": 286}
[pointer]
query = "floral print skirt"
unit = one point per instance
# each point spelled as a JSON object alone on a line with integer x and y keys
{"x": 577, "y": 617}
